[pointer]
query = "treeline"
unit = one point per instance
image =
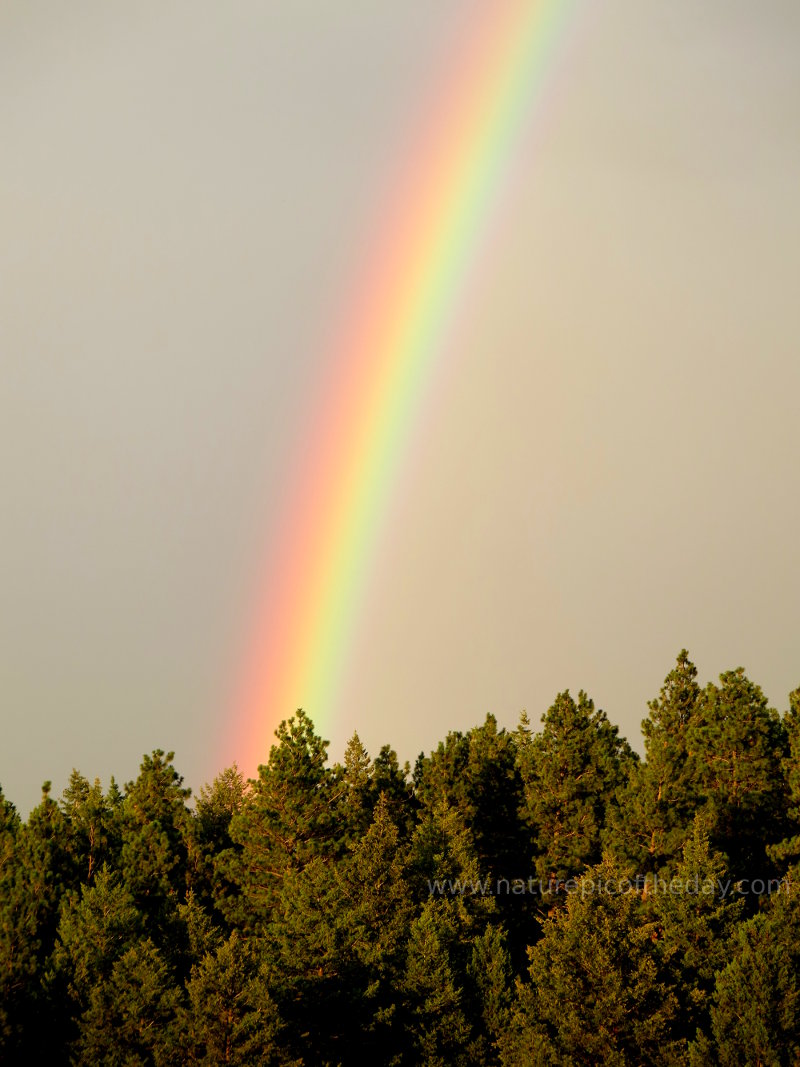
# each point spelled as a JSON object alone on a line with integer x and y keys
{"x": 523, "y": 898}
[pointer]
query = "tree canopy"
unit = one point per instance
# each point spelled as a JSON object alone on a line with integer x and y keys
{"x": 532, "y": 896}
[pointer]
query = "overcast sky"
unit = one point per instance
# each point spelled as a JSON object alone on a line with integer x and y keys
{"x": 608, "y": 470}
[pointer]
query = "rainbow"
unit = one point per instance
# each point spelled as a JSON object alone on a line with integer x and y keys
{"x": 382, "y": 361}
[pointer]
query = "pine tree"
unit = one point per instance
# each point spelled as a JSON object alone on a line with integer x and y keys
{"x": 444, "y": 863}
{"x": 36, "y": 872}
{"x": 132, "y": 1016}
{"x": 788, "y": 849}
{"x": 231, "y": 1016}
{"x": 154, "y": 852}
{"x": 735, "y": 744}
{"x": 439, "y": 1031}
{"x": 478, "y": 774}
{"x": 599, "y": 992}
{"x": 96, "y": 927}
{"x": 576, "y": 766}
{"x": 355, "y": 778}
{"x": 697, "y": 911}
{"x": 88, "y": 819}
{"x": 209, "y": 834}
{"x": 289, "y": 817}
{"x": 490, "y": 972}
{"x": 755, "y": 1016}
{"x": 457, "y": 933}
{"x": 391, "y": 780}
{"x": 336, "y": 942}
{"x": 659, "y": 800}
{"x": 17, "y": 960}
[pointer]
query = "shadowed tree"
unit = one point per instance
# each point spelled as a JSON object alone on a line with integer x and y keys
{"x": 290, "y": 816}
{"x": 96, "y": 927}
{"x": 735, "y": 745}
{"x": 575, "y": 767}
{"x": 755, "y": 1015}
{"x": 598, "y": 989}
{"x": 132, "y": 1015}
{"x": 788, "y": 849}
{"x": 154, "y": 853}
{"x": 17, "y": 956}
{"x": 658, "y": 802}
{"x": 335, "y": 947}
{"x": 231, "y": 1016}
{"x": 363, "y": 781}
{"x": 209, "y": 834}
{"x": 697, "y": 910}
{"x": 37, "y": 869}
{"x": 89, "y": 822}
{"x": 479, "y": 775}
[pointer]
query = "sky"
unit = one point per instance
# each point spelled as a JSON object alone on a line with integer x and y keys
{"x": 603, "y": 471}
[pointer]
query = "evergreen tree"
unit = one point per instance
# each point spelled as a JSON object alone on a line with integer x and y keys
{"x": 478, "y": 774}
{"x": 96, "y": 927}
{"x": 154, "y": 852}
{"x": 599, "y": 992}
{"x": 132, "y": 1016}
{"x": 374, "y": 914}
{"x": 209, "y": 834}
{"x": 289, "y": 817}
{"x": 89, "y": 822}
{"x": 336, "y": 943}
{"x": 444, "y": 863}
{"x": 658, "y": 802}
{"x": 456, "y": 934}
{"x": 355, "y": 778}
{"x": 439, "y": 1031}
{"x": 36, "y": 871}
{"x": 363, "y": 782}
{"x": 231, "y": 1017}
{"x": 391, "y": 780}
{"x": 735, "y": 744}
{"x": 697, "y": 911}
{"x": 491, "y": 982}
{"x": 789, "y": 848}
{"x": 576, "y": 765}
{"x": 755, "y": 1016}
{"x": 17, "y": 946}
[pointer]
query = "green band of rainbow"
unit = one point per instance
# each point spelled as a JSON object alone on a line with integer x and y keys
{"x": 389, "y": 350}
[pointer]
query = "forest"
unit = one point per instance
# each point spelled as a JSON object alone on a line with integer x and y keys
{"x": 535, "y": 896}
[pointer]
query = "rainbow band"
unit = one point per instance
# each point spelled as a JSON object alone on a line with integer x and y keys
{"x": 389, "y": 350}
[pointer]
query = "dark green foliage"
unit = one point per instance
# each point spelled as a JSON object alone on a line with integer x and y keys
{"x": 231, "y": 1017}
{"x": 438, "y": 1027}
{"x": 131, "y": 1015}
{"x": 345, "y": 915}
{"x": 697, "y": 910}
{"x": 337, "y": 942}
{"x": 37, "y": 871}
{"x": 735, "y": 746}
{"x": 90, "y": 822}
{"x": 572, "y": 772}
{"x": 96, "y": 928}
{"x": 363, "y": 782}
{"x": 599, "y": 991}
{"x": 289, "y": 817}
{"x": 477, "y": 773}
{"x": 755, "y": 1017}
{"x": 154, "y": 823}
{"x": 789, "y": 847}
{"x": 209, "y": 833}
{"x": 658, "y": 801}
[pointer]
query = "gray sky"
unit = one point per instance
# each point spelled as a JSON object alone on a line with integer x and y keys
{"x": 608, "y": 469}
